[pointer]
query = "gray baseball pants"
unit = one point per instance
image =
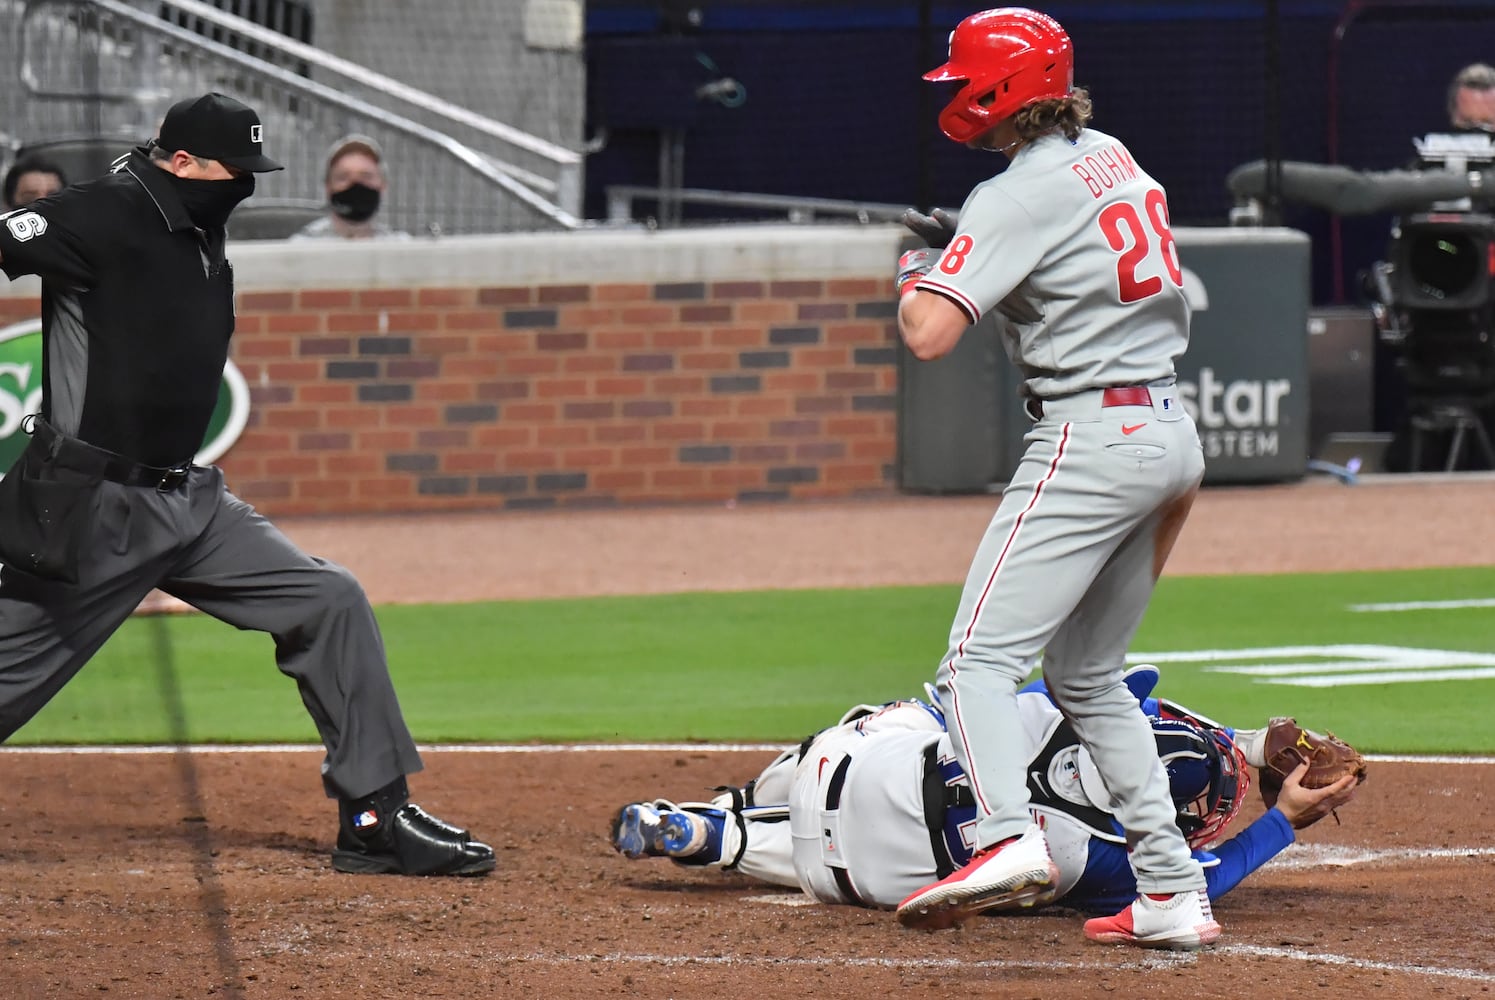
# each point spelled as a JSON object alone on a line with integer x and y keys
{"x": 204, "y": 545}
{"x": 1065, "y": 570}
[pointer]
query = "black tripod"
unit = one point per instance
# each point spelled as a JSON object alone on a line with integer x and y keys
{"x": 1448, "y": 359}
{"x": 1438, "y": 416}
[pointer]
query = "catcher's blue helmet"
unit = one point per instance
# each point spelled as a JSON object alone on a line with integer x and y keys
{"x": 1207, "y": 776}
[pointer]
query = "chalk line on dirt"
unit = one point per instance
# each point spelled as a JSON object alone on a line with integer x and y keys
{"x": 204, "y": 748}
{"x": 1148, "y": 962}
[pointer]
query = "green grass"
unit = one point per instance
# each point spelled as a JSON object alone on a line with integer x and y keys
{"x": 770, "y": 665}
{"x": 1310, "y": 609}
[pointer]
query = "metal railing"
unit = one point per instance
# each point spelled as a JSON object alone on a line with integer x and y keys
{"x": 621, "y": 199}
{"x": 110, "y": 68}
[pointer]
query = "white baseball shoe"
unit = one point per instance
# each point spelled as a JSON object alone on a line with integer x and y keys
{"x": 1181, "y": 921}
{"x": 1015, "y": 873}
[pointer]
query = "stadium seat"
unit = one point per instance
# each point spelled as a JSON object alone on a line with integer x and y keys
{"x": 272, "y": 220}
{"x": 82, "y": 158}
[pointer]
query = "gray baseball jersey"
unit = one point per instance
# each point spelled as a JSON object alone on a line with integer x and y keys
{"x": 1072, "y": 245}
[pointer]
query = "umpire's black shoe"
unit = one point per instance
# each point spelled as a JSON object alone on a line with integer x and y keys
{"x": 412, "y": 842}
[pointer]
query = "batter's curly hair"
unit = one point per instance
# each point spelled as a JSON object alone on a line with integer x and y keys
{"x": 1065, "y": 114}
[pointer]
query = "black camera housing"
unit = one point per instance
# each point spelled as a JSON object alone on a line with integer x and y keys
{"x": 1443, "y": 261}
{"x": 1434, "y": 301}
{"x": 1443, "y": 297}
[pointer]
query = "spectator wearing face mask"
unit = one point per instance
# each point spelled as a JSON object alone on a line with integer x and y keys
{"x": 355, "y": 187}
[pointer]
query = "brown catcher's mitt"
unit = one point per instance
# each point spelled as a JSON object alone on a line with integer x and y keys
{"x": 1328, "y": 757}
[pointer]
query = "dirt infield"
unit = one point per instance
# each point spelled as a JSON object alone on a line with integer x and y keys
{"x": 1388, "y": 522}
{"x": 119, "y": 883}
{"x": 169, "y": 875}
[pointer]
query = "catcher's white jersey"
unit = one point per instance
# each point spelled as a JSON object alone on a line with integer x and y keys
{"x": 860, "y": 823}
{"x": 850, "y": 821}
{"x": 1071, "y": 244}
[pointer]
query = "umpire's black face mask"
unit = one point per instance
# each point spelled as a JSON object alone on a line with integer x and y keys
{"x": 209, "y": 203}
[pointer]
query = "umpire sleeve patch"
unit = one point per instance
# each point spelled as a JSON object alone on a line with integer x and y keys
{"x": 25, "y": 226}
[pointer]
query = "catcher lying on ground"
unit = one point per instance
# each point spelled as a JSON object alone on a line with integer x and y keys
{"x": 872, "y": 809}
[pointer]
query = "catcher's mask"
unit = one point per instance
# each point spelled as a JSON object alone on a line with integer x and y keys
{"x": 1008, "y": 58}
{"x": 1207, "y": 776}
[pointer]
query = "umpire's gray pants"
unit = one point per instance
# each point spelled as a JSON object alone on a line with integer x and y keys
{"x": 204, "y": 545}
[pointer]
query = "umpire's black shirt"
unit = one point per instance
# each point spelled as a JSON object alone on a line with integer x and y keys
{"x": 137, "y": 310}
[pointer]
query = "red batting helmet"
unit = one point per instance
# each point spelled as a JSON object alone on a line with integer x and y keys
{"x": 1012, "y": 55}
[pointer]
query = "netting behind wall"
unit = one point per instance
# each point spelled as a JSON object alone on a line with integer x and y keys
{"x": 1389, "y": 74}
{"x": 836, "y": 106}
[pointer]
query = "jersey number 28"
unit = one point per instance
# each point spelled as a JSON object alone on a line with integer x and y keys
{"x": 1126, "y": 233}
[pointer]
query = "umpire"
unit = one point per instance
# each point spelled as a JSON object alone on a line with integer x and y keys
{"x": 105, "y": 504}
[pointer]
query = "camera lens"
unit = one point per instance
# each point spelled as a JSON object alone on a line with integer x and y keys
{"x": 1444, "y": 264}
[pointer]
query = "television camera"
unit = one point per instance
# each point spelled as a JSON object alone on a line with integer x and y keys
{"x": 1433, "y": 299}
{"x": 1433, "y": 296}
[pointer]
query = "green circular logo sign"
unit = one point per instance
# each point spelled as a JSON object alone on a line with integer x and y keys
{"x": 21, "y": 393}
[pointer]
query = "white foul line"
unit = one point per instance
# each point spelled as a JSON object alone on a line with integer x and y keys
{"x": 233, "y": 748}
{"x": 1259, "y": 951}
{"x": 1396, "y": 758}
{"x": 1329, "y": 856}
{"x": 1160, "y": 960}
{"x": 211, "y": 749}
{"x": 1151, "y": 962}
{"x": 1484, "y": 602}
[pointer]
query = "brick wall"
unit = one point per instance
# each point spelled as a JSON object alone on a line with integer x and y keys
{"x": 561, "y": 370}
{"x": 400, "y": 399}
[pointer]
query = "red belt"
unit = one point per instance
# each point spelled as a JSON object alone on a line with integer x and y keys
{"x": 1126, "y": 395}
{"x": 1117, "y": 395}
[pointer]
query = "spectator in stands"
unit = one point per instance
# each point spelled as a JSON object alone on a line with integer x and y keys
{"x": 1471, "y": 98}
{"x": 355, "y": 186}
{"x": 30, "y": 178}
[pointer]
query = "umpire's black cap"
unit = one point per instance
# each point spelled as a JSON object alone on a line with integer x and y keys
{"x": 217, "y": 127}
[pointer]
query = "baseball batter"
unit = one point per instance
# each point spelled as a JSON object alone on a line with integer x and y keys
{"x": 1071, "y": 247}
{"x": 874, "y": 807}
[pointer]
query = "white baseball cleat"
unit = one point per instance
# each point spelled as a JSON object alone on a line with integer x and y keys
{"x": 1015, "y": 873}
{"x": 1181, "y": 921}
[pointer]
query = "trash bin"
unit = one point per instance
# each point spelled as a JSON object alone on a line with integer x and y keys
{"x": 960, "y": 421}
{"x": 1244, "y": 378}
{"x": 950, "y": 436}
